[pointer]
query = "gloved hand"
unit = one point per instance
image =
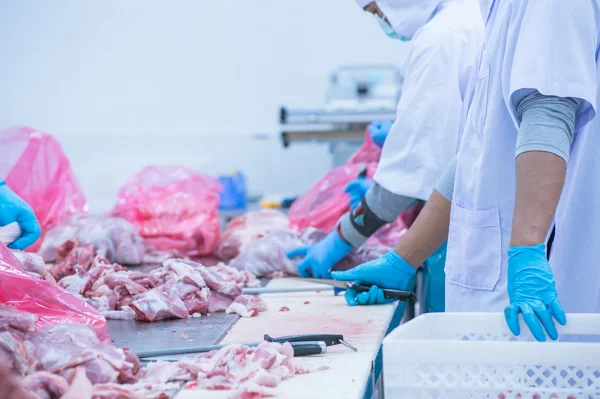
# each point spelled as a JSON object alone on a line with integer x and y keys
{"x": 389, "y": 271}
{"x": 532, "y": 292}
{"x": 14, "y": 209}
{"x": 379, "y": 131}
{"x": 322, "y": 256}
{"x": 357, "y": 189}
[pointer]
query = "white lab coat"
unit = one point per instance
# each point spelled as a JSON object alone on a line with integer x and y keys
{"x": 549, "y": 46}
{"x": 576, "y": 249}
{"x": 446, "y": 37}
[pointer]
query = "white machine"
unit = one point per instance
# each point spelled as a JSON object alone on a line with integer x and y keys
{"x": 357, "y": 96}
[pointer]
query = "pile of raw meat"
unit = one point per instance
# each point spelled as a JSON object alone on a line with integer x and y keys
{"x": 112, "y": 238}
{"x": 177, "y": 289}
{"x": 61, "y": 361}
{"x": 243, "y": 230}
{"x": 267, "y": 256}
{"x": 252, "y": 371}
{"x": 257, "y": 242}
{"x": 68, "y": 361}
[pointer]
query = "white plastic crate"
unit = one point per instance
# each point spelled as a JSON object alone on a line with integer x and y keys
{"x": 474, "y": 355}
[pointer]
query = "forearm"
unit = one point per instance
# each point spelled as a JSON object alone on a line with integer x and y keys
{"x": 428, "y": 233}
{"x": 540, "y": 179}
{"x": 446, "y": 184}
{"x": 546, "y": 132}
{"x": 379, "y": 207}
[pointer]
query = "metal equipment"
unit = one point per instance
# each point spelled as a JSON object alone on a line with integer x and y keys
{"x": 357, "y": 96}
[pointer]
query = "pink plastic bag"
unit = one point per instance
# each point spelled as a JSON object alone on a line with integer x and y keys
{"x": 369, "y": 152}
{"x": 48, "y": 301}
{"x": 325, "y": 202}
{"x": 37, "y": 169}
{"x": 173, "y": 208}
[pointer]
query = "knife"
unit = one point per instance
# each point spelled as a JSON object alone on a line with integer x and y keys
{"x": 387, "y": 292}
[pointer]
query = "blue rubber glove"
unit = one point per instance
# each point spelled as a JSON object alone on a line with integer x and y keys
{"x": 14, "y": 209}
{"x": 320, "y": 258}
{"x": 357, "y": 189}
{"x": 532, "y": 292}
{"x": 389, "y": 271}
{"x": 379, "y": 131}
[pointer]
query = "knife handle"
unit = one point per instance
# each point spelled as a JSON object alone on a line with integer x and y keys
{"x": 329, "y": 339}
{"x": 308, "y": 348}
{"x": 390, "y": 293}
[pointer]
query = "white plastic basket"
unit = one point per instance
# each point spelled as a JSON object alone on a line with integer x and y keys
{"x": 474, "y": 355}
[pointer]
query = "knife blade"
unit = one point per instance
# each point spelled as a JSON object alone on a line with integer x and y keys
{"x": 387, "y": 292}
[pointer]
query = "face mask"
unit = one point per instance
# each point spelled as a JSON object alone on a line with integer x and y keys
{"x": 388, "y": 30}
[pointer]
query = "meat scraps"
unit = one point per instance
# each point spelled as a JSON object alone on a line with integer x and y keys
{"x": 267, "y": 256}
{"x": 235, "y": 367}
{"x": 251, "y": 226}
{"x": 112, "y": 238}
{"x": 69, "y": 362}
{"x": 177, "y": 289}
{"x": 59, "y": 350}
{"x": 247, "y": 306}
{"x": 34, "y": 265}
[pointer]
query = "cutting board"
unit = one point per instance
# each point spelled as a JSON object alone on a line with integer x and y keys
{"x": 316, "y": 312}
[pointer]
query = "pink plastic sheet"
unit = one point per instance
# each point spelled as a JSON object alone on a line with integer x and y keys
{"x": 173, "y": 208}
{"x": 48, "y": 301}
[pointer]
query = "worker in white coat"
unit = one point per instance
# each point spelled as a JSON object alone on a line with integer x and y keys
{"x": 536, "y": 91}
{"x": 445, "y": 37}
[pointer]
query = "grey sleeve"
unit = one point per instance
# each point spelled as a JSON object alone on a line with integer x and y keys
{"x": 547, "y": 123}
{"x": 386, "y": 205}
{"x": 446, "y": 184}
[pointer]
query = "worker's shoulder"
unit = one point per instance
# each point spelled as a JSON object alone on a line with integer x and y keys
{"x": 457, "y": 23}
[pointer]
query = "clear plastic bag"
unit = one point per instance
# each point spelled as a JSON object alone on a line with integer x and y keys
{"x": 36, "y": 168}
{"x": 249, "y": 227}
{"x": 48, "y": 301}
{"x": 173, "y": 208}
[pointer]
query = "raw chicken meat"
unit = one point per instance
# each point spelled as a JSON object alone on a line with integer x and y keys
{"x": 73, "y": 364}
{"x": 69, "y": 362}
{"x": 243, "y": 230}
{"x": 247, "y": 306}
{"x": 10, "y": 387}
{"x": 112, "y": 238}
{"x": 154, "y": 305}
{"x": 85, "y": 237}
{"x": 267, "y": 256}
{"x": 34, "y": 265}
{"x": 15, "y": 319}
{"x": 45, "y": 385}
{"x": 62, "y": 348}
{"x": 81, "y": 387}
{"x": 177, "y": 289}
{"x": 235, "y": 367}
